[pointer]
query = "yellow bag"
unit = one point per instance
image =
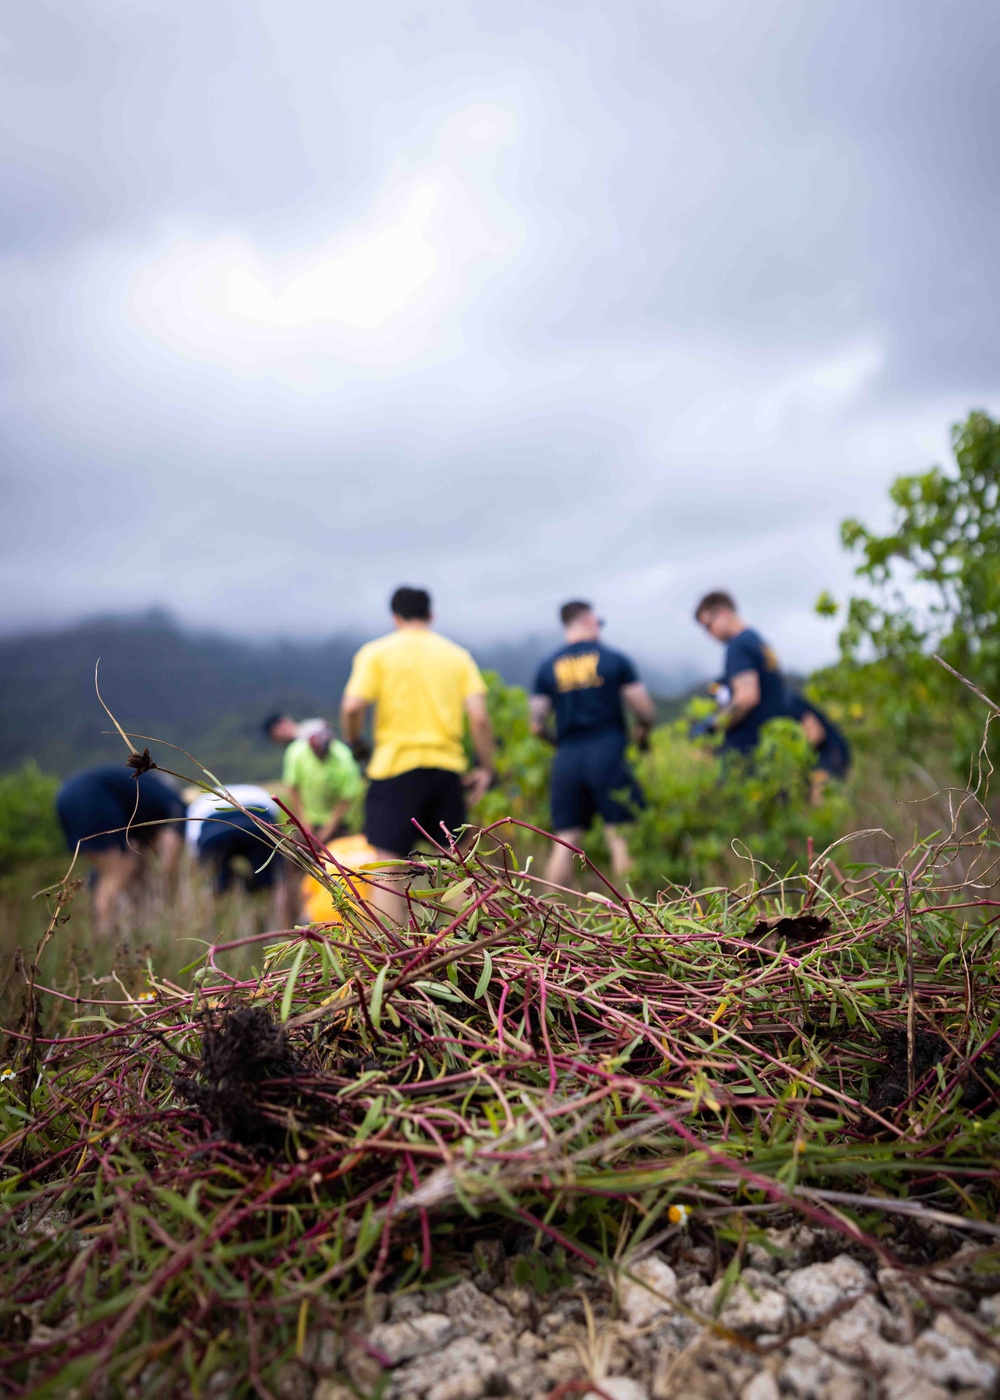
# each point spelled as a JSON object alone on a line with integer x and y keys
{"x": 317, "y": 902}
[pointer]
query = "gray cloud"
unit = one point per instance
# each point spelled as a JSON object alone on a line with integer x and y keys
{"x": 622, "y": 300}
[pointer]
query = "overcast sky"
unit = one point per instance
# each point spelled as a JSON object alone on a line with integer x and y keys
{"x": 519, "y": 300}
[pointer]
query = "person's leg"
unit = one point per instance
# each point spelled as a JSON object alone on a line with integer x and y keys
{"x": 818, "y": 780}
{"x": 572, "y": 812}
{"x": 621, "y": 861}
{"x": 390, "y": 805}
{"x": 618, "y": 798}
{"x": 432, "y": 797}
{"x": 388, "y": 891}
{"x": 168, "y": 845}
{"x": 285, "y": 894}
{"x": 561, "y": 867}
{"x": 116, "y": 870}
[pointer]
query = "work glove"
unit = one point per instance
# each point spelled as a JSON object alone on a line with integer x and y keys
{"x": 361, "y": 751}
{"x": 699, "y": 728}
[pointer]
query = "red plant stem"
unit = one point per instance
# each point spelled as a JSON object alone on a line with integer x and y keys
{"x": 553, "y": 1077}
{"x": 500, "y": 1008}
{"x": 455, "y": 924}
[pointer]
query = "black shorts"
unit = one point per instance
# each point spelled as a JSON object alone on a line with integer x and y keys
{"x": 98, "y": 806}
{"x": 232, "y": 835}
{"x": 429, "y": 796}
{"x": 590, "y": 777}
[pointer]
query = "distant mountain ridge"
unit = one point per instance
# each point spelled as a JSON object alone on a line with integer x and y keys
{"x": 206, "y": 692}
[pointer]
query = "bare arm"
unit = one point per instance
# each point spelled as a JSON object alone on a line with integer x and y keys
{"x": 745, "y": 688}
{"x": 640, "y": 702}
{"x": 813, "y": 728}
{"x": 353, "y": 709}
{"x": 638, "y": 699}
{"x": 293, "y": 801}
{"x": 484, "y": 744}
{"x": 540, "y": 707}
{"x": 336, "y": 817}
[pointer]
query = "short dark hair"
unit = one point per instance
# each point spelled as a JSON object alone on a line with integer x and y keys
{"x": 272, "y": 720}
{"x": 569, "y": 612}
{"x": 411, "y": 604}
{"x": 714, "y": 600}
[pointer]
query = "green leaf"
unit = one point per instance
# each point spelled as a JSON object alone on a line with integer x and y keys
{"x": 373, "y": 1119}
{"x": 375, "y": 1005}
{"x": 178, "y": 1205}
{"x": 487, "y": 973}
{"x": 455, "y": 895}
{"x": 293, "y": 973}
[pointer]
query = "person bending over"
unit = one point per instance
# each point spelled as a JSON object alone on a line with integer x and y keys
{"x": 833, "y": 752}
{"x": 283, "y": 730}
{"x": 323, "y": 780}
{"x": 589, "y": 687}
{"x": 222, "y": 835}
{"x": 423, "y": 689}
{"x": 118, "y": 820}
{"x": 751, "y": 672}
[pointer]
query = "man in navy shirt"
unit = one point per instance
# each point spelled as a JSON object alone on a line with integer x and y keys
{"x": 752, "y": 673}
{"x": 589, "y": 687}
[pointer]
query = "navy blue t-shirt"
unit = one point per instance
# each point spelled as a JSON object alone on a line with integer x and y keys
{"x": 584, "y": 683}
{"x": 98, "y": 804}
{"x": 749, "y": 652}
{"x": 834, "y": 754}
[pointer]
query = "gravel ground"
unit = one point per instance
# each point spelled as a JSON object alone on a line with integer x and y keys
{"x": 803, "y": 1320}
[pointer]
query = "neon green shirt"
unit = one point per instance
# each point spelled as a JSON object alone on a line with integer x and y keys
{"x": 321, "y": 782}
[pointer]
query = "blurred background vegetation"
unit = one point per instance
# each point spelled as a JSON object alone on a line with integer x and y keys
{"x": 931, "y": 584}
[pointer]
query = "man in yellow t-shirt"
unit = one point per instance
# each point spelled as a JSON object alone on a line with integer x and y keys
{"x": 423, "y": 688}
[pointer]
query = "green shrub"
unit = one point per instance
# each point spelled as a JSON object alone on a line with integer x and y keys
{"x": 930, "y": 585}
{"x": 29, "y": 828}
{"x": 702, "y": 809}
{"x": 706, "y": 811}
{"x": 523, "y": 761}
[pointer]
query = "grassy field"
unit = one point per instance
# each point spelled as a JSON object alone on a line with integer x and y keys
{"x": 215, "y": 1140}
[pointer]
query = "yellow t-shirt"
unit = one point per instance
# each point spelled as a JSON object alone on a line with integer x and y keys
{"x": 418, "y": 682}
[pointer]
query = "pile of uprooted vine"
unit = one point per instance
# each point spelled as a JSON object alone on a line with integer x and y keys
{"x": 217, "y": 1167}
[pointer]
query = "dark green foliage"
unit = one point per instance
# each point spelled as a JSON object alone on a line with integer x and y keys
{"x": 205, "y": 692}
{"x": 708, "y": 812}
{"x": 523, "y": 761}
{"x": 29, "y": 830}
{"x": 934, "y": 586}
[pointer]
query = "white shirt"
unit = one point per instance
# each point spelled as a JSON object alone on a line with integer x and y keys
{"x": 245, "y": 794}
{"x": 307, "y": 728}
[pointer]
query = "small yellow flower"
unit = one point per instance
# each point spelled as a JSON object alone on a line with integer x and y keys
{"x": 6, "y": 1074}
{"x": 679, "y": 1215}
{"x": 146, "y": 996}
